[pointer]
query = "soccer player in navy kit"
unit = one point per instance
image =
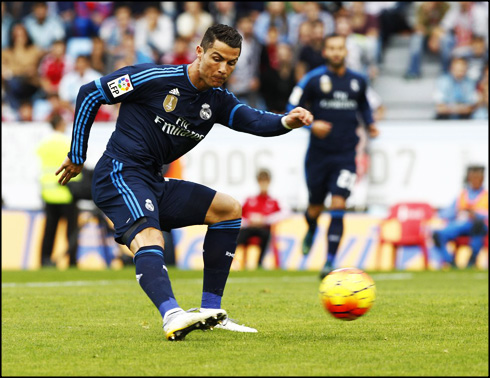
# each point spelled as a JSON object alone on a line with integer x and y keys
{"x": 165, "y": 112}
{"x": 335, "y": 95}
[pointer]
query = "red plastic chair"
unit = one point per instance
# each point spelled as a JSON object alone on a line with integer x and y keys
{"x": 406, "y": 225}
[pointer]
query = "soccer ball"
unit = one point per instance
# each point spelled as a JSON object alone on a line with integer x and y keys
{"x": 347, "y": 293}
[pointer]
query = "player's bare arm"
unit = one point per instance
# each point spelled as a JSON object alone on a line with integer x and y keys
{"x": 298, "y": 117}
{"x": 68, "y": 170}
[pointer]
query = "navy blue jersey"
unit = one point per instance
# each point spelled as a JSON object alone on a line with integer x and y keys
{"x": 335, "y": 99}
{"x": 162, "y": 114}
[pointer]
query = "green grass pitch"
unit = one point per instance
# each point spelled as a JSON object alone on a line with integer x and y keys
{"x": 82, "y": 323}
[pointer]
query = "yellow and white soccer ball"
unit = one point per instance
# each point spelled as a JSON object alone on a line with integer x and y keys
{"x": 347, "y": 293}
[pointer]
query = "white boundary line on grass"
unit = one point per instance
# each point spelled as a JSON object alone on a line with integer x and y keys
{"x": 292, "y": 279}
{"x": 376, "y": 277}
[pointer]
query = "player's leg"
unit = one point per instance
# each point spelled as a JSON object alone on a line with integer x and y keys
{"x": 224, "y": 221}
{"x": 185, "y": 203}
{"x": 129, "y": 198}
{"x": 317, "y": 172}
{"x": 340, "y": 185}
{"x": 334, "y": 232}
{"x": 312, "y": 214}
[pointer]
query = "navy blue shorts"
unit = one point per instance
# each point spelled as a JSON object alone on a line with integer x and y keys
{"x": 134, "y": 199}
{"x": 334, "y": 174}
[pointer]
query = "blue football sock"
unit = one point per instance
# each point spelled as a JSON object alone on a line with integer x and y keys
{"x": 334, "y": 234}
{"x": 219, "y": 250}
{"x": 153, "y": 278}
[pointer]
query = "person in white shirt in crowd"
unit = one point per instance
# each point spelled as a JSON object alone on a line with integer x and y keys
{"x": 154, "y": 33}
{"x": 43, "y": 29}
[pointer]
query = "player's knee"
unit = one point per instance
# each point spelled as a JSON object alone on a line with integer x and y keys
{"x": 146, "y": 237}
{"x": 223, "y": 207}
{"x": 338, "y": 203}
{"x": 236, "y": 209}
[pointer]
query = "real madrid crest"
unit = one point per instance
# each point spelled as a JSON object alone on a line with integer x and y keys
{"x": 205, "y": 112}
{"x": 325, "y": 83}
{"x": 170, "y": 103}
{"x": 354, "y": 84}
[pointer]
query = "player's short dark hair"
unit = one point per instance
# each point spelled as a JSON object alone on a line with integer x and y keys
{"x": 222, "y": 33}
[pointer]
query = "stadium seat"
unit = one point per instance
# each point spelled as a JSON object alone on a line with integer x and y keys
{"x": 406, "y": 225}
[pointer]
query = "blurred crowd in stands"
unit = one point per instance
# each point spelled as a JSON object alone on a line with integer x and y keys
{"x": 50, "y": 49}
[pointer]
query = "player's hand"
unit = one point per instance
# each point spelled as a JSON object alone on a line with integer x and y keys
{"x": 321, "y": 129}
{"x": 69, "y": 170}
{"x": 298, "y": 117}
{"x": 373, "y": 131}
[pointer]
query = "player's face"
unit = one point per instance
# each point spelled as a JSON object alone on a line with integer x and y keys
{"x": 335, "y": 51}
{"x": 217, "y": 63}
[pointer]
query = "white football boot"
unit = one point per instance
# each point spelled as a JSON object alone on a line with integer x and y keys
{"x": 177, "y": 323}
{"x": 230, "y": 324}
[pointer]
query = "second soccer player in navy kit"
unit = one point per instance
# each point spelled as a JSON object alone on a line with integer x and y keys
{"x": 336, "y": 96}
{"x": 165, "y": 112}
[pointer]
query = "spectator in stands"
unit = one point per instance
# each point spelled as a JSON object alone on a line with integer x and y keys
{"x": 115, "y": 28}
{"x": 25, "y": 111}
{"x": 393, "y": 19}
{"x": 7, "y": 22}
{"x": 224, "y": 12}
{"x": 461, "y": 22}
{"x": 304, "y": 39}
{"x": 366, "y": 24}
{"x": 477, "y": 57}
{"x": 426, "y": 34}
{"x": 45, "y": 109}
{"x": 310, "y": 11}
{"x": 20, "y": 67}
{"x": 72, "y": 81}
{"x": 311, "y": 55}
{"x": 251, "y": 9}
{"x": 43, "y": 28}
{"x": 481, "y": 111}
{"x": 274, "y": 15}
{"x": 276, "y": 84}
{"x": 467, "y": 216}
{"x": 58, "y": 201}
{"x": 258, "y": 214}
{"x": 244, "y": 83}
{"x": 99, "y": 59}
{"x": 455, "y": 96}
{"x": 361, "y": 55}
{"x": 181, "y": 54}
{"x": 53, "y": 66}
{"x": 128, "y": 55}
{"x": 193, "y": 22}
{"x": 268, "y": 55}
{"x": 154, "y": 33}
{"x": 84, "y": 18}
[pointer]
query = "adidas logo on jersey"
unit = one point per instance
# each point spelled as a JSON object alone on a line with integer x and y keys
{"x": 175, "y": 92}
